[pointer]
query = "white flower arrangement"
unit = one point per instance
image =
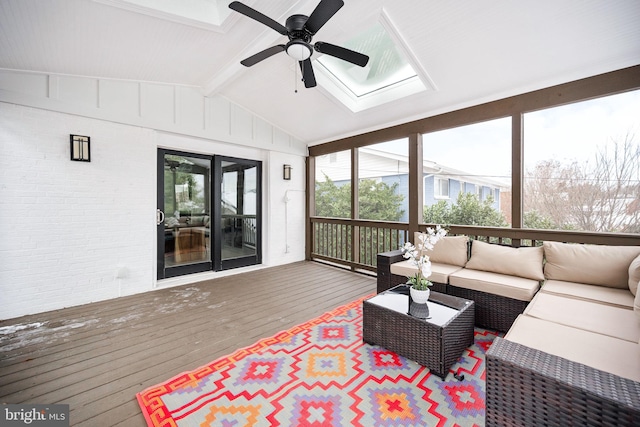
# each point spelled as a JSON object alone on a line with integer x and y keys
{"x": 426, "y": 242}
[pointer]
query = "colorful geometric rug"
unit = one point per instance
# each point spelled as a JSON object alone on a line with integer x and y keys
{"x": 320, "y": 374}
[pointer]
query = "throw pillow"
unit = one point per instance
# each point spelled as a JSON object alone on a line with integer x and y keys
{"x": 521, "y": 262}
{"x": 450, "y": 250}
{"x": 589, "y": 264}
{"x": 634, "y": 275}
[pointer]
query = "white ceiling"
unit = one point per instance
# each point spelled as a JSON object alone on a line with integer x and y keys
{"x": 473, "y": 51}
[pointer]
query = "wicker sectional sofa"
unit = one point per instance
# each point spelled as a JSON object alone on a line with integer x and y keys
{"x": 571, "y": 313}
{"x": 501, "y": 291}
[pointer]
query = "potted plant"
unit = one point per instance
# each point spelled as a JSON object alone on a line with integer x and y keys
{"x": 419, "y": 282}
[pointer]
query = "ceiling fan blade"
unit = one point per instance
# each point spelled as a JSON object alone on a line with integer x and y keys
{"x": 254, "y": 14}
{"x": 260, "y": 56}
{"x": 307, "y": 73}
{"x": 322, "y": 13}
{"x": 342, "y": 53}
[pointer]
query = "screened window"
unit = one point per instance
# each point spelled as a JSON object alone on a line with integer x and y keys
{"x": 333, "y": 185}
{"x": 465, "y": 162}
{"x": 383, "y": 186}
{"x": 582, "y": 166}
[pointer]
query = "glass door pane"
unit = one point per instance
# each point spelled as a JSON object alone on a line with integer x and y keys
{"x": 184, "y": 237}
{"x": 239, "y": 212}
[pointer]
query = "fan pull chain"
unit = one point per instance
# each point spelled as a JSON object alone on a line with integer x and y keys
{"x": 295, "y": 77}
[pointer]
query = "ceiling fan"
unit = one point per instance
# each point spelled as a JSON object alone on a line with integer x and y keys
{"x": 300, "y": 29}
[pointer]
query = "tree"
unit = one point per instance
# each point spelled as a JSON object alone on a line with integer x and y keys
{"x": 376, "y": 200}
{"x": 617, "y": 174}
{"x": 468, "y": 210}
{"x": 601, "y": 195}
{"x": 379, "y": 201}
{"x": 333, "y": 201}
{"x": 534, "y": 219}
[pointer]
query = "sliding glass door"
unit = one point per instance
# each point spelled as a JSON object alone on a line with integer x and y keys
{"x": 237, "y": 187}
{"x": 184, "y": 213}
{"x": 208, "y": 214}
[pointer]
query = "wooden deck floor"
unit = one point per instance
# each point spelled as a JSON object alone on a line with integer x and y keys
{"x": 96, "y": 357}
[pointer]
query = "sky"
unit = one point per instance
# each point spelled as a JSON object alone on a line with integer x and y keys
{"x": 577, "y": 131}
{"x": 567, "y": 133}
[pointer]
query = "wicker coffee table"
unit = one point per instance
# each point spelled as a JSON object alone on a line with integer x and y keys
{"x": 433, "y": 334}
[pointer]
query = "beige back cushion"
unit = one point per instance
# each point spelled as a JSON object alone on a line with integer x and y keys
{"x": 636, "y": 305}
{"x": 589, "y": 264}
{"x": 634, "y": 275}
{"x": 449, "y": 250}
{"x": 521, "y": 262}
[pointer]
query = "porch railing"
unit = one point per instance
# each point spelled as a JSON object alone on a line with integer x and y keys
{"x": 239, "y": 227}
{"x": 356, "y": 243}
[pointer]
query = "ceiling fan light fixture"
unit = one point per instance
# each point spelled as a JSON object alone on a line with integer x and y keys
{"x": 300, "y": 30}
{"x": 299, "y": 50}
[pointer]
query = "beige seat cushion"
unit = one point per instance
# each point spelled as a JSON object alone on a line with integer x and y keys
{"x": 590, "y": 264}
{"x": 451, "y": 250}
{"x": 521, "y": 262}
{"x": 634, "y": 275}
{"x": 439, "y": 272}
{"x": 603, "y": 352}
{"x": 494, "y": 283}
{"x": 586, "y": 315}
{"x": 612, "y": 296}
{"x": 634, "y": 279}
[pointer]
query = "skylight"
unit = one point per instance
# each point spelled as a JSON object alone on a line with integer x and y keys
{"x": 203, "y": 13}
{"x": 388, "y": 76}
{"x": 386, "y": 67}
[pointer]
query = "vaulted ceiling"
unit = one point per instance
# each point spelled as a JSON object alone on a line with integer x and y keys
{"x": 467, "y": 51}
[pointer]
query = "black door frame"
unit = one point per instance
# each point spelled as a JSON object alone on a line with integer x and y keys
{"x": 180, "y": 270}
{"x": 215, "y": 262}
{"x": 219, "y": 263}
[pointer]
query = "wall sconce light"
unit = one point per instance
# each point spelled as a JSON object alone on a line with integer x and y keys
{"x": 80, "y": 148}
{"x": 286, "y": 172}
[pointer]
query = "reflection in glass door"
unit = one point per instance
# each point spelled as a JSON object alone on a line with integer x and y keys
{"x": 184, "y": 213}
{"x": 238, "y": 183}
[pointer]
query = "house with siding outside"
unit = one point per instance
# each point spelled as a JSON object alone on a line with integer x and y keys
{"x": 441, "y": 182}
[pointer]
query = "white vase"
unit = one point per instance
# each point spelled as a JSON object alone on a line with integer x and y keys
{"x": 421, "y": 297}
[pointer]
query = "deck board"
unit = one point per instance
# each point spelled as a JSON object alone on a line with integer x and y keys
{"x": 96, "y": 357}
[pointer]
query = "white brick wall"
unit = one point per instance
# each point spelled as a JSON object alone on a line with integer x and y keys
{"x": 69, "y": 225}
{"x": 66, "y": 228}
